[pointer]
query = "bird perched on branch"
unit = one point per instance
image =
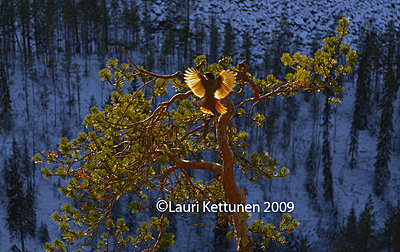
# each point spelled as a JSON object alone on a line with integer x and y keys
{"x": 211, "y": 87}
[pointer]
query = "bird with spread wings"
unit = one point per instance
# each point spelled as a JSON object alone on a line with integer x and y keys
{"x": 211, "y": 87}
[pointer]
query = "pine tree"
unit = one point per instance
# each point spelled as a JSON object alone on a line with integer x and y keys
{"x": 362, "y": 100}
{"x": 228, "y": 39}
{"x": 347, "y": 234}
{"x": 20, "y": 218}
{"x": 351, "y": 229}
{"x": 326, "y": 154}
{"x": 135, "y": 147}
{"x": 311, "y": 170}
{"x": 221, "y": 242}
{"x": 365, "y": 225}
{"x": 43, "y": 233}
{"x": 5, "y": 101}
{"x": 199, "y": 36}
{"x": 391, "y": 231}
{"x": 24, "y": 21}
{"x": 247, "y": 47}
{"x": 270, "y": 126}
{"x": 30, "y": 211}
{"x": 353, "y": 148}
{"x": 362, "y": 107}
{"x": 26, "y": 165}
{"x": 382, "y": 172}
{"x": 214, "y": 40}
{"x": 291, "y": 109}
{"x": 130, "y": 17}
{"x": 7, "y": 26}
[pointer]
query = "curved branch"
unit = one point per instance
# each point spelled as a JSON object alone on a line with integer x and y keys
{"x": 164, "y": 105}
{"x": 244, "y": 241}
{"x": 195, "y": 165}
{"x": 145, "y": 72}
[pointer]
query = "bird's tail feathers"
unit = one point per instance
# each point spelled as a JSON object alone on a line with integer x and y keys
{"x": 219, "y": 107}
{"x": 206, "y": 110}
{"x": 207, "y": 106}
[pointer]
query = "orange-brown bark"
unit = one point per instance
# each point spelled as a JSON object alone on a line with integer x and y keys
{"x": 244, "y": 241}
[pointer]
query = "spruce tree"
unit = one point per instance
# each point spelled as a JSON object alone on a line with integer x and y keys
{"x": 311, "y": 170}
{"x": 347, "y": 234}
{"x": 362, "y": 98}
{"x": 228, "y": 39}
{"x": 353, "y": 148}
{"x": 21, "y": 217}
{"x": 214, "y": 40}
{"x": 362, "y": 101}
{"x": 382, "y": 159}
{"x": 291, "y": 109}
{"x": 247, "y": 47}
{"x": 270, "y": 126}
{"x": 5, "y": 101}
{"x": 391, "y": 231}
{"x": 351, "y": 230}
{"x": 30, "y": 211}
{"x": 43, "y": 233}
{"x": 326, "y": 154}
{"x": 221, "y": 229}
{"x": 199, "y": 36}
{"x": 130, "y": 17}
{"x": 366, "y": 221}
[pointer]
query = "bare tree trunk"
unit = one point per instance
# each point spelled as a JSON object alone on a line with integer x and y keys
{"x": 244, "y": 241}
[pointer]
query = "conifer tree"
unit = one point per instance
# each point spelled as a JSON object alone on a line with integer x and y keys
{"x": 362, "y": 107}
{"x": 351, "y": 229}
{"x": 382, "y": 172}
{"x": 131, "y": 19}
{"x": 391, "y": 231}
{"x": 21, "y": 216}
{"x": 326, "y": 154}
{"x": 145, "y": 150}
{"x": 347, "y": 234}
{"x": 353, "y": 148}
{"x": 362, "y": 97}
{"x": 30, "y": 211}
{"x": 5, "y": 101}
{"x": 8, "y": 27}
{"x": 221, "y": 241}
{"x": 247, "y": 47}
{"x": 311, "y": 170}
{"x": 214, "y": 40}
{"x": 43, "y": 233}
{"x": 365, "y": 225}
{"x": 228, "y": 39}
{"x": 291, "y": 108}
{"x": 270, "y": 126}
{"x": 199, "y": 36}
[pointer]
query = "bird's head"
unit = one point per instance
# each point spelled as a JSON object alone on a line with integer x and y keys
{"x": 210, "y": 76}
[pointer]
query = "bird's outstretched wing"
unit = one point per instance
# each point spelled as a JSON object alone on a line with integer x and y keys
{"x": 227, "y": 81}
{"x": 194, "y": 80}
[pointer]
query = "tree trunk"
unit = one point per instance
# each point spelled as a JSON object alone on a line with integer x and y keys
{"x": 22, "y": 238}
{"x": 244, "y": 241}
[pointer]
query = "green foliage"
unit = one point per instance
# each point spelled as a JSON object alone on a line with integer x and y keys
{"x": 319, "y": 72}
{"x": 269, "y": 232}
{"x": 143, "y": 148}
{"x": 258, "y": 120}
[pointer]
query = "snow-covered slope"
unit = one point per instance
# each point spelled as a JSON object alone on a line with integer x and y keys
{"x": 304, "y": 18}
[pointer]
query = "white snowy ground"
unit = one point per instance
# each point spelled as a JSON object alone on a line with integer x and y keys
{"x": 260, "y": 19}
